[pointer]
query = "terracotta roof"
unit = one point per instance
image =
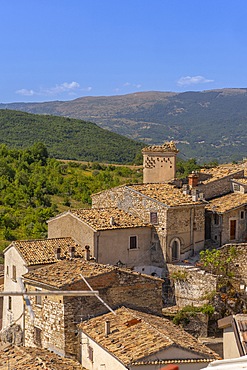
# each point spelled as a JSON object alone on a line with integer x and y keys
{"x": 38, "y": 252}
{"x": 218, "y": 172}
{"x": 136, "y": 335}
{"x": 227, "y": 202}
{"x": 107, "y": 218}
{"x": 166, "y": 147}
{"x": 165, "y": 193}
{"x": 241, "y": 181}
{"x": 20, "y": 358}
{"x": 67, "y": 272}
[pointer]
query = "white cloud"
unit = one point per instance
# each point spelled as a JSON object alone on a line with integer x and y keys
{"x": 64, "y": 87}
{"x": 68, "y": 87}
{"x": 193, "y": 80}
{"x": 25, "y": 92}
{"x": 127, "y": 85}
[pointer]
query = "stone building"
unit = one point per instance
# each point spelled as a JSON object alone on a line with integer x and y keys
{"x": 23, "y": 256}
{"x": 142, "y": 226}
{"x": 159, "y": 163}
{"x": 226, "y": 219}
{"x": 54, "y": 326}
{"x": 136, "y": 340}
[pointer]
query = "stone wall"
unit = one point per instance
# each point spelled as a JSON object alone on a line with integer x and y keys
{"x": 67, "y": 225}
{"x": 191, "y": 285}
{"x": 220, "y": 232}
{"x": 184, "y": 222}
{"x": 57, "y": 317}
{"x": 220, "y": 186}
{"x": 158, "y": 167}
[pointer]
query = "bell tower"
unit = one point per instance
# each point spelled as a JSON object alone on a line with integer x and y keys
{"x": 159, "y": 163}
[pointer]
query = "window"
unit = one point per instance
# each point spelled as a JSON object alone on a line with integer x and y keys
{"x": 133, "y": 242}
{"x": 216, "y": 219}
{"x": 90, "y": 353}
{"x": 7, "y": 270}
{"x": 10, "y": 303}
{"x": 242, "y": 214}
{"x": 37, "y": 336}
{"x": 38, "y": 298}
{"x": 153, "y": 218}
{"x": 236, "y": 187}
{"x": 14, "y": 272}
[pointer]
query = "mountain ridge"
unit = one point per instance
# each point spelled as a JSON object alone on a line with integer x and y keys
{"x": 207, "y": 125}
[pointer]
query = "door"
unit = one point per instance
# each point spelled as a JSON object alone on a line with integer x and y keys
{"x": 233, "y": 229}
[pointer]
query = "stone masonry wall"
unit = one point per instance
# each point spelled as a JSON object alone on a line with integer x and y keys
{"x": 190, "y": 230}
{"x": 191, "y": 286}
{"x": 220, "y": 232}
{"x": 58, "y": 317}
{"x": 220, "y": 186}
{"x": 50, "y": 319}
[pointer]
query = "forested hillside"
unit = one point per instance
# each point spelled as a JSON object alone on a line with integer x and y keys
{"x": 34, "y": 187}
{"x": 67, "y": 138}
{"x": 207, "y": 125}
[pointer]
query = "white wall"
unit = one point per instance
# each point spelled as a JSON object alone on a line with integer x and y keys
{"x": 102, "y": 360}
{"x": 13, "y": 258}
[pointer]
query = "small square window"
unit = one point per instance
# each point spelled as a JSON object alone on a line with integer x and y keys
{"x": 133, "y": 242}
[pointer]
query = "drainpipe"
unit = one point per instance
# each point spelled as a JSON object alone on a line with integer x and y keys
{"x": 97, "y": 247}
{"x": 192, "y": 239}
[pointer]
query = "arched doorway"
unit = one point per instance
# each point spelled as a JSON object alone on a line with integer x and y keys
{"x": 175, "y": 249}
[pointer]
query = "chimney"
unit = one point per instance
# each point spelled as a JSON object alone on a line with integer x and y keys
{"x": 193, "y": 180}
{"x": 87, "y": 252}
{"x": 72, "y": 252}
{"x": 186, "y": 189}
{"x": 194, "y": 195}
{"x": 57, "y": 253}
{"x": 107, "y": 328}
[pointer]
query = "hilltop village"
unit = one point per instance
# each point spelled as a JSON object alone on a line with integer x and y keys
{"x": 136, "y": 256}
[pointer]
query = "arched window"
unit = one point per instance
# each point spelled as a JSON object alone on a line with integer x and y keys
{"x": 175, "y": 249}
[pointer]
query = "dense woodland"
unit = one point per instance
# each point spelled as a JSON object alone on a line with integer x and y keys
{"x": 35, "y": 187}
{"x": 67, "y": 138}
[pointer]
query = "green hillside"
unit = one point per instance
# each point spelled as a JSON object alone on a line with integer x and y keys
{"x": 66, "y": 138}
{"x": 206, "y": 125}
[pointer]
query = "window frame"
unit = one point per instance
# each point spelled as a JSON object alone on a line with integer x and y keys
{"x": 14, "y": 273}
{"x": 154, "y": 218}
{"x": 133, "y": 237}
{"x": 38, "y": 298}
{"x": 37, "y": 336}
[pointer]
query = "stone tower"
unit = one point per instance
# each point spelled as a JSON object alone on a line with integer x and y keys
{"x": 159, "y": 163}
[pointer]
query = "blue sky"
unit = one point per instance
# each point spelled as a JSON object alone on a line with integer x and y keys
{"x": 65, "y": 49}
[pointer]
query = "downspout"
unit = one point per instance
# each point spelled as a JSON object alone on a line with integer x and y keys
{"x": 97, "y": 246}
{"x": 192, "y": 239}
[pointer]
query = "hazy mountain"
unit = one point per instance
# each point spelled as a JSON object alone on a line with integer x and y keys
{"x": 207, "y": 125}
